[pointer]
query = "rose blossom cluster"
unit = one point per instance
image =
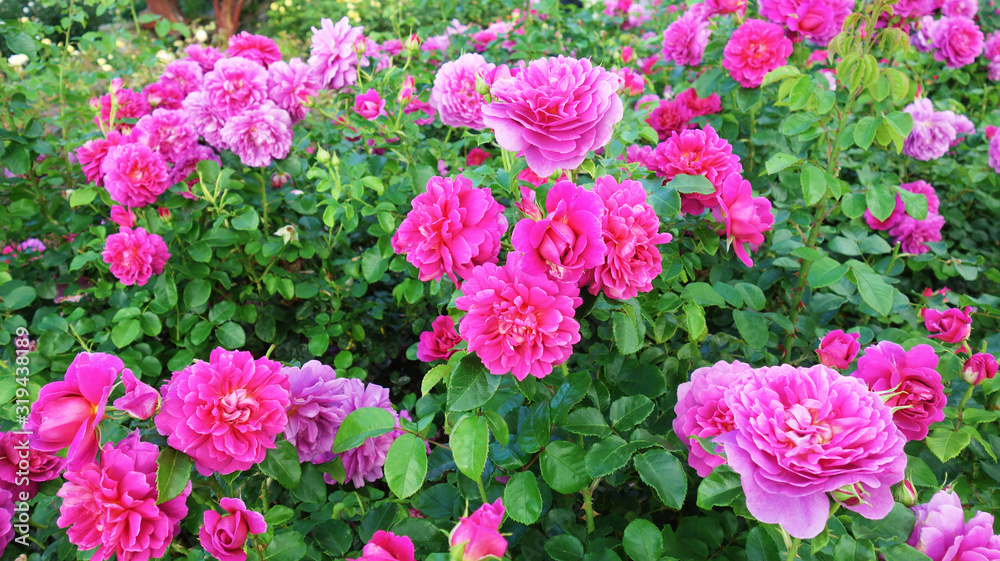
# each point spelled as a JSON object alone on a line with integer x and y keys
{"x": 816, "y": 20}
{"x": 912, "y": 234}
{"x": 955, "y": 38}
{"x": 785, "y": 431}
{"x": 674, "y": 114}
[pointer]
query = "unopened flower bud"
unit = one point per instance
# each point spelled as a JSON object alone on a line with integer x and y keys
{"x": 979, "y": 367}
{"x": 163, "y": 213}
{"x": 906, "y": 494}
{"x": 278, "y": 180}
{"x": 849, "y": 495}
{"x": 360, "y": 46}
{"x": 322, "y": 156}
{"x": 413, "y": 45}
{"x": 481, "y": 87}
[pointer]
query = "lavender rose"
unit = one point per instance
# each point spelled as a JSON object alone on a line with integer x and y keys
{"x": 942, "y": 533}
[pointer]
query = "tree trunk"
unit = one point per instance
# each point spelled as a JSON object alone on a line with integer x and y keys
{"x": 227, "y": 16}
{"x": 167, "y": 9}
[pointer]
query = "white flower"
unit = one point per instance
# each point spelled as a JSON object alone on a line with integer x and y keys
{"x": 164, "y": 56}
{"x": 200, "y": 36}
{"x": 288, "y": 234}
{"x": 17, "y": 60}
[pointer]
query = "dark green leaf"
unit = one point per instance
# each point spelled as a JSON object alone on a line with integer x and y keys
{"x": 282, "y": 464}
{"x": 642, "y": 541}
{"x": 662, "y": 471}
{"x": 563, "y": 467}
{"x": 470, "y": 443}
{"x": 286, "y": 546}
{"x": 470, "y": 384}
{"x": 522, "y": 499}
{"x": 361, "y": 424}
{"x": 719, "y": 488}
{"x": 173, "y": 472}
{"x": 608, "y": 456}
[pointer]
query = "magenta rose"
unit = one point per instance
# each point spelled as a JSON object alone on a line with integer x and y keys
{"x": 134, "y": 174}
{"x": 68, "y": 413}
{"x": 369, "y": 105}
{"x": 224, "y": 536}
{"x": 792, "y": 428}
{"x": 696, "y": 152}
{"x": 332, "y": 58}
{"x": 135, "y": 255}
{"x": 438, "y": 343}
{"x": 555, "y": 110}
{"x": 258, "y": 48}
{"x": 957, "y": 41}
{"x": 518, "y": 322}
{"x": 6, "y": 518}
{"x": 479, "y": 533}
{"x": 23, "y": 467}
{"x": 838, "y": 349}
{"x": 911, "y": 380}
{"x": 259, "y": 135}
{"x": 140, "y": 400}
{"x": 746, "y": 217}
{"x": 454, "y": 94}
{"x": 979, "y": 367}
{"x": 942, "y": 533}
{"x": 668, "y": 117}
{"x": 225, "y": 413}
{"x": 112, "y": 505}
{"x": 568, "y": 240}
{"x": 756, "y": 48}
{"x": 702, "y": 411}
{"x": 386, "y": 546}
{"x": 951, "y": 326}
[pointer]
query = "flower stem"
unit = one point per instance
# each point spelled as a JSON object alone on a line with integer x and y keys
{"x": 482, "y": 489}
{"x": 793, "y": 549}
{"x": 588, "y": 509}
{"x": 965, "y": 398}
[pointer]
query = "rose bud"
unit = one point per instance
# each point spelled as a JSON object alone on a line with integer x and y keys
{"x": 838, "y": 349}
{"x": 979, "y": 367}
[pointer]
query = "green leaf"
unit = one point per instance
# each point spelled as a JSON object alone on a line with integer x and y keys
{"x": 19, "y": 298}
{"x": 779, "y": 162}
{"x": 564, "y": 547}
{"x": 760, "y": 546}
{"x": 665, "y": 200}
{"x": 916, "y": 203}
{"x": 901, "y": 552}
{"x": 286, "y": 546}
{"x": 720, "y": 488}
{"x": 813, "y": 184}
{"x": 196, "y": 293}
{"x": 864, "y": 132}
{"x": 470, "y": 443}
{"x": 82, "y": 197}
{"x": 826, "y": 271}
{"x": 587, "y": 421}
{"x": 311, "y": 488}
{"x": 847, "y": 549}
{"x": 946, "y": 444}
{"x": 626, "y": 333}
{"x": 125, "y": 332}
{"x": 406, "y": 465}
{"x": 470, "y": 384}
{"x": 433, "y": 376}
{"x": 662, "y": 471}
{"x": 282, "y": 464}
{"x": 22, "y": 43}
{"x": 173, "y": 472}
{"x": 874, "y": 291}
{"x": 694, "y": 316}
{"x": 703, "y": 294}
{"x": 690, "y": 184}
{"x": 853, "y": 205}
{"x": 642, "y": 540}
{"x": 607, "y": 456}
{"x": 881, "y": 201}
{"x": 522, "y": 499}
{"x": 752, "y": 327}
{"x": 779, "y": 74}
{"x": 563, "y": 468}
{"x": 362, "y": 423}
{"x": 278, "y": 515}
{"x": 898, "y": 525}
{"x": 231, "y": 335}
{"x": 200, "y": 252}
{"x": 165, "y": 293}
{"x": 498, "y": 426}
{"x": 629, "y": 411}
{"x": 373, "y": 265}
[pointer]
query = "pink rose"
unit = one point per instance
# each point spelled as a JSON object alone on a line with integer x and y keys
{"x": 479, "y": 534}
{"x": 369, "y": 105}
{"x": 122, "y": 216}
{"x": 135, "y": 255}
{"x": 568, "y": 240}
{"x": 454, "y": 94}
{"x": 838, "y": 349}
{"x": 140, "y": 400}
{"x": 951, "y": 326}
{"x": 756, "y": 48}
{"x": 942, "y": 533}
{"x": 69, "y": 413}
{"x": 22, "y": 468}
{"x": 911, "y": 380}
{"x": 476, "y": 157}
{"x": 439, "y": 342}
{"x": 386, "y": 546}
{"x": 957, "y": 41}
{"x": 746, "y": 217}
{"x": 979, "y": 367}
{"x": 224, "y": 536}
{"x": 555, "y": 110}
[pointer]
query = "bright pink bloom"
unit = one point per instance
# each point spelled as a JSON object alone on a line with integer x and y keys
{"x": 259, "y": 136}
{"x": 913, "y": 235}
{"x": 436, "y": 43}
{"x": 802, "y": 433}
{"x": 452, "y": 228}
{"x": 700, "y": 105}
{"x": 630, "y": 229}
{"x": 365, "y": 462}
{"x": 951, "y": 326}
{"x": 6, "y": 518}
{"x": 386, "y": 546}
{"x": 438, "y": 343}
{"x": 632, "y": 83}
{"x": 134, "y": 174}
{"x": 206, "y": 118}
{"x": 258, "y": 48}
{"x": 942, "y": 533}
{"x": 756, "y": 48}
{"x": 23, "y": 467}
{"x": 68, "y": 413}
{"x": 568, "y": 240}
{"x": 93, "y": 152}
{"x": 517, "y": 322}
{"x": 702, "y": 411}
{"x": 185, "y": 74}
{"x": 224, "y": 537}
{"x": 135, "y": 255}
{"x": 206, "y": 57}
{"x": 369, "y": 105}
{"x": 555, "y": 110}
{"x": 236, "y": 85}
{"x": 979, "y": 367}
{"x": 332, "y": 59}
{"x": 454, "y": 94}
{"x": 957, "y": 41}
{"x": 994, "y": 153}
{"x": 111, "y": 505}
{"x": 934, "y": 132}
{"x": 479, "y": 533}
{"x": 684, "y": 40}
{"x": 188, "y": 164}
{"x": 131, "y": 106}
{"x": 669, "y": 117}
{"x": 476, "y": 157}
{"x": 912, "y": 377}
{"x": 963, "y": 8}
{"x": 167, "y": 131}
{"x": 140, "y": 400}
{"x": 838, "y": 349}
{"x": 728, "y": 6}
{"x": 818, "y": 20}
{"x": 291, "y": 86}
{"x": 225, "y": 413}
{"x": 746, "y": 217}
{"x": 696, "y": 152}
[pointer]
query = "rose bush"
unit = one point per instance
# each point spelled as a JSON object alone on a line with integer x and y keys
{"x": 625, "y": 280}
